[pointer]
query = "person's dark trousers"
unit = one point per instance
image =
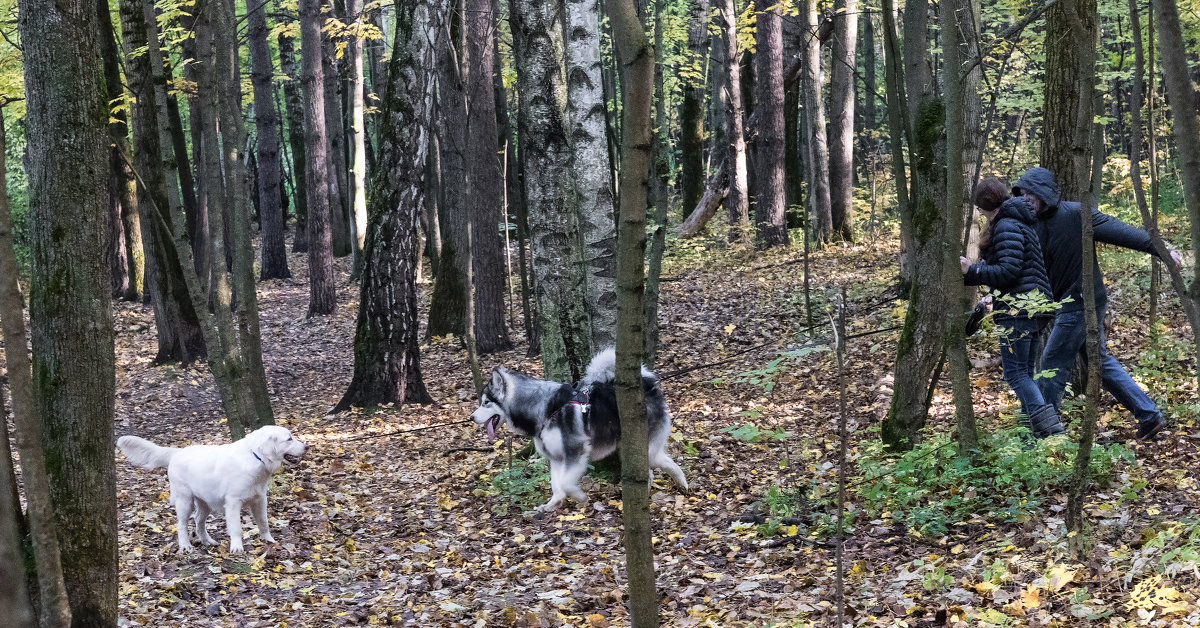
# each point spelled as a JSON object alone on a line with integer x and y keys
{"x": 1065, "y": 342}
{"x": 1019, "y": 348}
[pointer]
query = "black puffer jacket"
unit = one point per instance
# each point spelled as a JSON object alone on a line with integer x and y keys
{"x": 1060, "y": 228}
{"x": 1012, "y": 263}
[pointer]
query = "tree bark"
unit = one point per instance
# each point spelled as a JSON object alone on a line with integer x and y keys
{"x": 386, "y": 356}
{"x": 358, "y": 130}
{"x": 270, "y": 164}
{"x": 559, "y": 282}
{"x": 294, "y": 110}
{"x": 959, "y": 14}
{"x": 29, "y": 427}
{"x": 14, "y": 599}
{"x": 636, "y": 58}
{"x": 335, "y": 137}
{"x": 70, "y": 306}
{"x": 691, "y": 115}
{"x": 1186, "y": 125}
{"x": 1067, "y": 120}
{"x": 590, "y": 168}
{"x": 179, "y": 335}
{"x": 770, "y": 201}
{"x": 820, "y": 206}
{"x": 322, "y": 293}
{"x": 738, "y": 202}
{"x": 123, "y": 188}
{"x": 898, "y": 129}
{"x": 841, "y": 124}
{"x": 485, "y": 182}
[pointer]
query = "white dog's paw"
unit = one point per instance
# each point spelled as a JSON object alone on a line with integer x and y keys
{"x": 268, "y": 539}
{"x": 208, "y": 540}
{"x": 548, "y": 507}
{"x": 185, "y": 548}
{"x": 236, "y": 548}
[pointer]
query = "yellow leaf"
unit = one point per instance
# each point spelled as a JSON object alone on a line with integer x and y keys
{"x": 1060, "y": 577}
{"x": 1029, "y": 597}
{"x": 729, "y": 329}
{"x": 571, "y": 517}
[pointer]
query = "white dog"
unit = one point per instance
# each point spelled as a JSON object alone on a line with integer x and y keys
{"x": 207, "y": 478}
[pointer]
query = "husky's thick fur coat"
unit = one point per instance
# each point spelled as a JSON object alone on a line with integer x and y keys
{"x": 572, "y": 425}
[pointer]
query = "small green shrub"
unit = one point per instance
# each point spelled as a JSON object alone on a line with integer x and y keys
{"x": 523, "y": 486}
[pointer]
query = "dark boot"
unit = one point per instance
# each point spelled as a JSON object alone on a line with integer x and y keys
{"x": 1045, "y": 423}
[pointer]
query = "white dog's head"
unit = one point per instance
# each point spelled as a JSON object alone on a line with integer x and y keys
{"x": 276, "y": 443}
{"x": 491, "y": 412}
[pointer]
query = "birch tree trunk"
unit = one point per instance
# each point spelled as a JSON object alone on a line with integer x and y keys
{"x": 841, "y": 127}
{"x": 322, "y": 293}
{"x": 358, "y": 131}
{"x": 559, "y": 280}
{"x": 636, "y": 59}
{"x": 270, "y": 164}
{"x": 386, "y": 357}
{"x": 70, "y": 307}
{"x": 770, "y": 203}
{"x": 590, "y": 168}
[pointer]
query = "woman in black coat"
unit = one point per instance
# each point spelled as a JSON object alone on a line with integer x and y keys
{"x": 1012, "y": 265}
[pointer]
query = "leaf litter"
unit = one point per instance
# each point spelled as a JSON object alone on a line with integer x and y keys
{"x": 378, "y": 529}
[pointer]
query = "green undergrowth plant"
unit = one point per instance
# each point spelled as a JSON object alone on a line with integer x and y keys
{"x": 931, "y": 489}
{"x": 765, "y": 376}
{"x": 523, "y": 486}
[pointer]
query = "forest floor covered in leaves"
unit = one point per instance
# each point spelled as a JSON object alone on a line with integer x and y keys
{"x": 378, "y": 529}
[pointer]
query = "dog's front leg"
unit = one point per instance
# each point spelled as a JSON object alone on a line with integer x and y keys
{"x": 233, "y": 522}
{"x": 258, "y": 508}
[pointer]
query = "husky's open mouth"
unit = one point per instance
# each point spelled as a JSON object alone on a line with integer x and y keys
{"x": 491, "y": 426}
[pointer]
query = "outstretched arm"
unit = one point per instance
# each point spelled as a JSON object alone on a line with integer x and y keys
{"x": 1112, "y": 231}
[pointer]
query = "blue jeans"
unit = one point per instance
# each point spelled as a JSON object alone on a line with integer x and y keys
{"x": 1018, "y": 353}
{"x": 1065, "y": 342}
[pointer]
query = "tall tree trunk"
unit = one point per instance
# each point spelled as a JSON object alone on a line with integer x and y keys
{"x": 590, "y": 168}
{"x": 386, "y": 357}
{"x": 358, "y": 129}
{"x": 14, "y": 599}
{"x": 179, "y": 335}
{"x": 270, "y": 164}
{"x": 295, "y": 122}
{"x": 691, "y": 115}
{"x": 659, "y": 196}
{"x": 335, "y": 136}
{"x": 545, "y": 151}
{"x": 961, "y": 15}
{"x": 485, "y": 182}
{"x": 869, "y": 115}
{"x": 636, "y": 59}
{"x": 820, "y": 207}
{"x": 738, "y": 202}
{"x": 447, "y": 310}
{"x": 793, "y": 145}
{"x": 1067, "y": 120}
{"x": 1186, "y": 125}
{"x": 70, "y": 307}
{"x": 919, "y": 348}
{"x": 770, "y": 200}
{"x": 52, "y": 593}
{"x": 123, "y": 187}
{"x": 198, "y": 116}
{"x": 841, "y": 124}
{"x": 322, "y": 293}
{"x": 898, "y": 129}
{"x": 253, "y": 379}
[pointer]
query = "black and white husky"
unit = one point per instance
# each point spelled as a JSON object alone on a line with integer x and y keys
{"x": 572, "y": 425}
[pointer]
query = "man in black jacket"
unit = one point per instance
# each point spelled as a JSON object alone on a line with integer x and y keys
{"x": 1060, "y": 228}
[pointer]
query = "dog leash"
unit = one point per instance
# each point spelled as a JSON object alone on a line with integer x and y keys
{"x": 415, "y": 429}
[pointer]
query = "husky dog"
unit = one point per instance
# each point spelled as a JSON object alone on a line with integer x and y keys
{"x": 572, "y": 425}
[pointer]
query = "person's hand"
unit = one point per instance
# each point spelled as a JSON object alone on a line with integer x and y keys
{"x": 1175, "y": 258}
{"x": 964, "y": 263}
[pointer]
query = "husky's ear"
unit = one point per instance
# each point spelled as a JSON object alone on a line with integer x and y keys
{"x": 499, "y": 383}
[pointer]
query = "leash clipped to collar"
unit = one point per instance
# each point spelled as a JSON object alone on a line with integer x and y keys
{"x": 582, "y": 397}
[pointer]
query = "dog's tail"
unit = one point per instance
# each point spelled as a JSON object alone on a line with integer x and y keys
{"x": 603, "y": 368}
{"x": 145, "y": 454}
